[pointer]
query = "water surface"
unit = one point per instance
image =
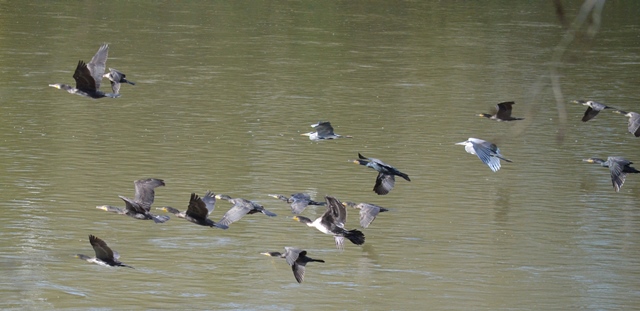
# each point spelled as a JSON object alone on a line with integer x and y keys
{"x": 224, "y": 91}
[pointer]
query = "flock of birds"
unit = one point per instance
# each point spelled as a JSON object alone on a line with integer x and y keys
{"x": 88, "y": 77}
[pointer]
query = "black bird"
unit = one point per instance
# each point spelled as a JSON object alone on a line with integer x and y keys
{"x": 634, "y": 121}
{"x": 593, "y": 109}
{"x": 298, "y": 201}
{"x": 104, "y": 255}
{"x": 140, "y": 206}
{"x": 503, "y": 112}
{"x": 198, "y": 210}
{"x": 240, "y": 208}
{"x": 385, "y": 180}
{"x": 296, "y": 258}
{"x": 116, "y": 77}
{"x": 332, "y": 222}
{"x": 324, "y": 130}
{"x": 619, "y": 168}
{"x": 368, "y": 212}
{"x": 88, "y": 76}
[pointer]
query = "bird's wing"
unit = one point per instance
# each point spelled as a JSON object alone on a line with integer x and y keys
{"x": 300, "y": 202}
{"x": 234, "y": 214}
{"x": 97, "y": 64}
{"x": 324, "y": 129}
{"x": 298, "y": 272}
{"x": 384, "y": 183}
{"x": 197, "y": 208}
{"x": 368, "y": 214}
{"x": 144, "y": 191}
{"x": 337, "y": 211}
{"x": 84, "y": 80}
{"x": 598, "y": 106}
{"x": 634, "y": 124}
{"x": 115, "y": 87}
{"x": 589, "y": 114}
{"x": 103, "y": 252}
{"x": 504, "y": 110}
{"x": 291, "y": 254}
{"x": 484, "y": 153}
{"x": 209, "y": 200}
{"x": 618, "y": 176}
{"x": 133, "y": 206}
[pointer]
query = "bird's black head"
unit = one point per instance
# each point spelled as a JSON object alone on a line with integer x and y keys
{"x": 302, "y": 219}
{"x": 594, "y": 160}
{"x": 169, "y": 209}
{"x": 272, "y": 254}
{"x": 61, "y": 86}
{"x": 361, "y": 162}
{"x": 223, "y": 197}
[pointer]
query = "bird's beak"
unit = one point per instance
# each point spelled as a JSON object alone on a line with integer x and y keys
{"x": 218, "y": 197}
{"x": 344, "y": 203}
{"x": 305, "y": 134}
{"x": 266, "y": 254}
{"x": 295, "y": 218}
{"x": 588, "y": 160}
{"x": 273, "y": 196}
{"x": 162, "y": 208}
{"x": 461, "y": 143}
{"x": 57, "y": 86}
{"x": 355, "y": 161}
{"x": 102, "y": 207}
{"x": 578, "y": 101}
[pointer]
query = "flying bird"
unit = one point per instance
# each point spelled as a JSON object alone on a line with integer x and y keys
{"x": 240, "y": 208}
{"x": 140, "y": 206}
{"x": 332, "y": 222}
{"x": 297, "y": 201}
{"x": 593, "y": 108}
{"x": 634, "y": 121}
{"x": 368, "y": 212}
{"x": 116, "y": 78}
{"x": 324, "y": 131}
{"x": 488, "y": 152}
{"x": 619, "y": 168}
{"x": 296, "y": 258}
{"x": 503, "y": 112}
{"x": 104, "y": 255}
{"x": 385, "y": 180}
{"x": 88, "y": 76}
{"x": 198, "y": 210}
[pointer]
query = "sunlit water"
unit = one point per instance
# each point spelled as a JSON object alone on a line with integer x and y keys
{"x": 224, "y": 92}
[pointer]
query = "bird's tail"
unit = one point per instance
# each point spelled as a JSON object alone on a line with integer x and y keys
{"x": 355, "y": 236}
{"x": 405, "y": 176}
{"x": 499, "y": 156}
